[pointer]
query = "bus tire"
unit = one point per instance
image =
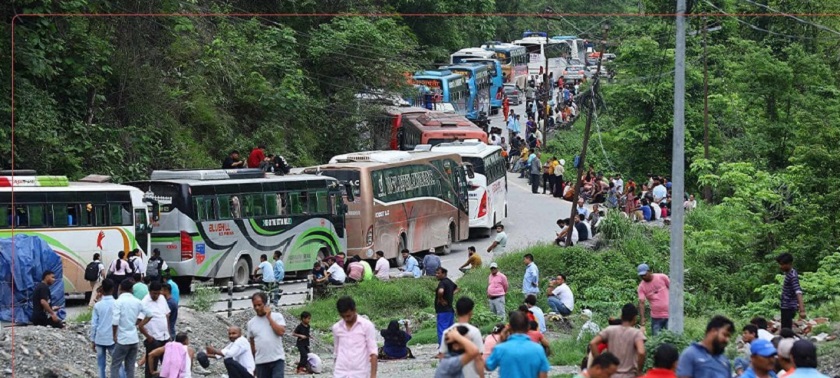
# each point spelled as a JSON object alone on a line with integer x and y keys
{"x": 450, "y": 240}
{"x": 241, "y": 273}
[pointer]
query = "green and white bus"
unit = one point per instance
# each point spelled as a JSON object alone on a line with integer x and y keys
{"x": 215, "y": 224}
{"x": 77, "y": 220}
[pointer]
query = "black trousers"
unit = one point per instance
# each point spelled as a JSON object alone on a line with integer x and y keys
{"x": 546, "y": 182}
{"x": 304, "y": 352}
{"x": 151, "y": 345}
{"x": 235, "y": 369}
{"x": 787, "y": 317}
{"x": 535, "y": 183}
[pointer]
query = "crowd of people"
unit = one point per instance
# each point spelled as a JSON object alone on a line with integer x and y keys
{"x": 257, "y": 159}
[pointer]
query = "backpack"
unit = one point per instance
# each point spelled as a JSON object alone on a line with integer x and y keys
{"x": 153, "y": 268}
{"x": 131, "y": 267}
{"x": 92, "y": 271}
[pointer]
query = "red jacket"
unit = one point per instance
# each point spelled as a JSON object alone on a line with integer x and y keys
{"x": 255, "y": 158}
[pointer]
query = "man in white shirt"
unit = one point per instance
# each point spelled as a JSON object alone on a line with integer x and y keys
{"x": 659, "y": 191}
{"x": 156, "y": 330}
{"x": 265, "y": 268}
{"x": 561, "y": 300}
{"x": 239, "y": 359}
{"x": 464, "y": 310}
{"x": 265, "y": 332}
{"x": 619, "y": 183}
{"x": 500, "y": 242}
{"x": 382, "y": 266}
{"x": 335, "y": 274}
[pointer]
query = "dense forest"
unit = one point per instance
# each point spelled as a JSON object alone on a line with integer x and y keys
{"x": 125, "y": 95}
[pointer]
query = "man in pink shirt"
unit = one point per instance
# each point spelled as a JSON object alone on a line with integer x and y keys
{"x": 654, "y": 289}
{"x": 354, "y": 343}
{"x": 497, "y": 288}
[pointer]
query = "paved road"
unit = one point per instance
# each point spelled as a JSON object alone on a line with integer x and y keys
{"x": 531, "y": 220}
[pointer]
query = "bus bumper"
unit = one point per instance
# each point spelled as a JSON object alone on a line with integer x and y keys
{"x": 485, "y": 222}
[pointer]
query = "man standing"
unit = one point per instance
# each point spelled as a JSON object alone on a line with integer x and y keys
{"x": 382, "y": 266}
{"x": 239, "y": 359}
{"x": 155, "y": 266}
{"x": 446, "y": 289}
{"x": 232, "y": 161}
{"x": 654, "y": 289}
{"x": 560, "y": 299}
{"x": 497, "y": 248}
{"x": 535, "y": 170}
{"x": 354, "y": 343}
{"x": 626, "y": 342}
{"x": 473, "y": 261}
{"x": 166, "y": 292}
{"x": 531, "y": 281}
{"x": 497, "y": 288}
{"x": 279, "y": 267}
{"x": 43, "y": 312}
{"x": 157, "y": 329}
{"x": 97, "y": 267}
{"x": 101, "y": 334}
{"x": 124, "y": 325}
{"x": 266, "y": 330}
{"x": 539, "y": 315}
{"x": 707, "y": 359}
{"x": 464, "y": 309}
{"x": 791, "y": 292}
{"x": 518, "y": 356}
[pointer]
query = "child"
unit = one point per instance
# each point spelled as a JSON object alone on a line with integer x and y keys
{"x": 750, "y": 333}
{"x": 302, "y": 334}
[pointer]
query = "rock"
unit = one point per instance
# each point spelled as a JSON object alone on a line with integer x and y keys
{"x": 820, "y": 338}
{"x": 24, "y": 349}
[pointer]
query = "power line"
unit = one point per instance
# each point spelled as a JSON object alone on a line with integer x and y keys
{"x": 823, "y": 27}
{"x": 751, "y": 26}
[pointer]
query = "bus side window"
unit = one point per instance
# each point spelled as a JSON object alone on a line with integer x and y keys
{"x": 73, "y": 215}
{"x": 99, "y": 215}
{"x": 61, "y": 217}
{"x": 115, "y": 214}
{"x": 254, "y": 205}
{"x": 271, "y": 204}
{"x": 323, "y": 204}
{"x": 299, "y": 203}
{"x": 36, "y": 216}
{"x": 282, "y": 202}
{"x": 224, "y": 207}
{"x": 235, "y": 207}
{"x": 21, "y": 216}
{"x": 5, "y": 216}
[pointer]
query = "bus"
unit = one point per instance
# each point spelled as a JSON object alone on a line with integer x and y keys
{"x": 577, "y": 48}
{"x": 386, "y": 127}
{"x": 514, "y": 61}
{"x": 488, "y": 189}
{"x": 496, "y": 81}
{"x": 442, "y": 86}
{"x": 478, "y": 79}
{"x": 215, "y": 224}
{"x": 76, "y": 219}
{"x": 403, "y": 200}
{"x": 462, "y": 55}
{"x": 539, "y": 47}
{"x": 434, "y": 128}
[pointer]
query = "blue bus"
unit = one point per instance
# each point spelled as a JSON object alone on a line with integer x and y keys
{"x": 514, "y": 61}
{"x": 441, "y": 86}
{"x": 478, "y": 80}
{"x": 494, "y": 66}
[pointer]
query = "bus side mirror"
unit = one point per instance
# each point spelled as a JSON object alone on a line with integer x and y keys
{"x": 348, "y": 191}
{"x": 470, "y": 171}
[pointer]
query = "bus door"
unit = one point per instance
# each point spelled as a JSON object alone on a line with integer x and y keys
{"x": 143, "y": 230}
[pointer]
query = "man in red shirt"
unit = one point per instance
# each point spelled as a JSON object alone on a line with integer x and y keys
{"x": 664, "y": 362}
{"x": 653, "y": 288}
{"x": 256, "y": 157}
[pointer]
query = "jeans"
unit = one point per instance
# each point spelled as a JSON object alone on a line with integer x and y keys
{"x": 497, "y": 306}
{"x": 235, "y": 369}
{"x": 557, "y": 306}
{"x": 271, "y": 369}
{"x": 124, "y": 356}
{"x": 151, "y": 345}
{"x": 657, "y": 325}
{"x": 535, "y": 183}
{"x": 444, "y": 321}
{"x": 102, "y": 353}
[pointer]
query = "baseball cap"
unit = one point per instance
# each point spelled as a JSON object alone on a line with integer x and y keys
{"x": 762, "y": 348}
{"x": 643, "y": 269}
{"x": 494, "y": 265}
{"x": 785, "y": 345}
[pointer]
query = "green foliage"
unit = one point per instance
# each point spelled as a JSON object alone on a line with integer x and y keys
{"x": 85, "y": 316}
{"x": 664, "y": 337}
{"x": 203, "y": 297}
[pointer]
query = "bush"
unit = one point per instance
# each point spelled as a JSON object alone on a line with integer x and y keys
{"x": 203, "y": 297}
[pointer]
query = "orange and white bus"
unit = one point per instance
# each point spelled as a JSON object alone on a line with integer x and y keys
{"x": 434, "y": 128}
{"x": 402, "y": 200}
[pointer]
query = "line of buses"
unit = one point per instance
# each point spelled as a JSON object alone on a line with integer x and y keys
{"x": 214, "y": 224}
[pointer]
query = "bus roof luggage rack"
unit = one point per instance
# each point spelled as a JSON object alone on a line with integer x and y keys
{"x": 207, "y": 174}
{"x": 371, "y": 156}
{"x": 19, "y": 172}
{"x": 33, "y": 181}
{"x": 96, "y": 178}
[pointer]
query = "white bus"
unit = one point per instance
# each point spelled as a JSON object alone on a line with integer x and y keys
{"x": 462, "y": 55}
{"x": 215, "y": 224}
{"x": 538, "y": 47}
{"x": 77, "y": 220}
{"x": 488, "y": 189}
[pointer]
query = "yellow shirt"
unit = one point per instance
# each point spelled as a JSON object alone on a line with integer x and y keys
{"x": 524, "y": 154}
{"x": 475, "y": 261}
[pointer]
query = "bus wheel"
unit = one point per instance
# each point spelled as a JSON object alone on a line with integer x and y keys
{"x": 241, "y": 273}
{"x": 450, "y": 239}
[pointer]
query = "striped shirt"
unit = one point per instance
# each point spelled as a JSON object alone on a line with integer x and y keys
{"x": 790, "y": 288}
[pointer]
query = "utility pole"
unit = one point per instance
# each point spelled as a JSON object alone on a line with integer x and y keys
{"x": 546, "y": 94}
{"x": 676, "y": 292}
{"x": 596, "y": 82}
{"x": 707, "y": 190}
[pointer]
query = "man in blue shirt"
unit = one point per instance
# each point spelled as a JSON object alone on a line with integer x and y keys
{"x": 531, "y": 281}
{"x": 279, "y": 267}
{"x": 762, "y": 360}
{"x": 804, "y": 355}
{"x": 706, "y": 359}
{"x": 430, "y": 264}
{"x": 124, "y": 323}
{"x": 166, "y": 291}
{"x": 101, "y": 333}
{"x": 176, "y": 294}
{"x": 518, "y": 357}
{"x": 411, "y": 269}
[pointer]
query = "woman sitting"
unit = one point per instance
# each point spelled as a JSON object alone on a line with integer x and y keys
{"x": 395, "y": 341}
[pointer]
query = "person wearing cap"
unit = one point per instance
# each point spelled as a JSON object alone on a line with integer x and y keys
{"x": 560, "y": 297}
{"x": 706, "y": 359}
{"x": 783, "y": 358}
{"x": 238, "y": 357}
{"x": 762, "y": 360}
{"x": 804, "y": 355}
{"x": 654, "y": 289}
{"x": 497, "y": 288}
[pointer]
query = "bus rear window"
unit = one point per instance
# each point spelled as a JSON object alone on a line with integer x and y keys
{"x": 477, "y": 163}
{"x": 345, "y": 176}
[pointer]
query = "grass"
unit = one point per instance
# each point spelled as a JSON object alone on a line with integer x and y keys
{"x": 84, "y": 316}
